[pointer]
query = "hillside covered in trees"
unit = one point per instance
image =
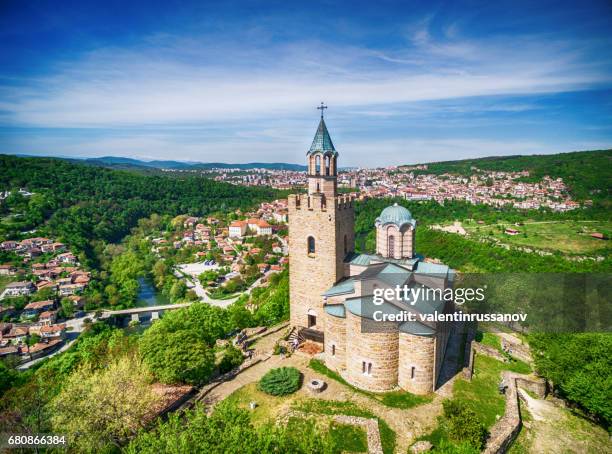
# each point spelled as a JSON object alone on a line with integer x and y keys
{"x": 81, "y": 203}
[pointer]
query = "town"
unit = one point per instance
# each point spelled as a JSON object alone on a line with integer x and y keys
{"x": 219, "y": 257}
{"x": 414, "y": 183}
{"x": 39, "y": 293}
{"x": 43, "y": 299}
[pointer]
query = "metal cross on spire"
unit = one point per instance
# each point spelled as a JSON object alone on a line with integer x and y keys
{"x": 321, "y": 107}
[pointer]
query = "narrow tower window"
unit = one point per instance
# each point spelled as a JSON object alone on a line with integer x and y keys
{"x": 391, "y": 246}
{"x": 333, "y": 350}
{"x": 311, "y": 245}
{"x": 412, "y": 369}
{"x": 318, "y": 165}
{"x": 326, "y": 165}
{"x": 345, "y": 245}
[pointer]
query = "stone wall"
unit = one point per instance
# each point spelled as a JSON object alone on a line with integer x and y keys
{"x": 537, "y": 386}
{"x": 378, "y": 348}
{"x": 515, "y": 347}
{"x": 503, "y": 433}
{"x": 371, "y": 427}
{"x": 327, "y": 221}
{"x": 335, "y": 335}
{"x": 442, "y": 335}
{"x": 489, "y": 351}
{"x": 417, "y": 352}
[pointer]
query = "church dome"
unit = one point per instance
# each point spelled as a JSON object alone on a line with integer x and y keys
{"x": 395, "y": 214}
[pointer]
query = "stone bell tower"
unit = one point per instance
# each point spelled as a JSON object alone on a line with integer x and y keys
{"x": 321, "y": 233}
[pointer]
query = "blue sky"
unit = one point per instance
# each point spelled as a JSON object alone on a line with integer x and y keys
{"x": 238, "y": 81}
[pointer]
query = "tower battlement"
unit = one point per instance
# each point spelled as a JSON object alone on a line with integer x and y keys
{"x": 344, "y": 201}
{"x": 319, "y": 202}
{"x": 321, "y": 234}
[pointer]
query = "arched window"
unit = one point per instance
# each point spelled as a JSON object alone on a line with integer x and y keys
{"x": 318, "y": 165}
{"x": 345, "y": 245}
{"x": 318, "y": 187}
{"x": 311, "y": 245}
{"x": 327, "y": 165}
{"x": 391, "y": 246}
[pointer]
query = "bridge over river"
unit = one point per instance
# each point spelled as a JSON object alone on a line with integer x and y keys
{"x": 135, "y": 312}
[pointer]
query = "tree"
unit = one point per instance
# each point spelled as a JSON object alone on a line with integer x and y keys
{"x": 579, "y": 367}
{"x": 18, "y": 302}
{"x": 463, "y": 424}
{"x": 105, "y": 407}
{"x": 176, "y": 357}
{"x": 8, "y": 377}
{"x": 67, "y": 307}
{"x": 229, "y": 429}
{"x": 44, "y": 294}
{"x": 178, "y": 290}
{"x": 232, "y": 357}
{"x": 33, "y": 339}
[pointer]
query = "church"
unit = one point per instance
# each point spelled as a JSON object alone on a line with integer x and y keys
{"x": 332, "y": 289}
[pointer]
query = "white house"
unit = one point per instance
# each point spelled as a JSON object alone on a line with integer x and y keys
{"x": 237, "y": 229}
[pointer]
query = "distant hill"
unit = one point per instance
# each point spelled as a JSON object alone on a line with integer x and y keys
{"x": 115, "y": 161}
{"x": 586, "y": 173}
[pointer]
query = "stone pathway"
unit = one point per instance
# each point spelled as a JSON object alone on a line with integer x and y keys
{"x": 406, "y": 423}
{"x": 263, "y": 351}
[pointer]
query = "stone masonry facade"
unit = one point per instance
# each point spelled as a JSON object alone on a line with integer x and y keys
{"x": 330, "y": 285}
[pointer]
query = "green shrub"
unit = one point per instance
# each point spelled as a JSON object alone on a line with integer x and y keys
{"x": 280, "y": 381}
{"x": 278, "y": 349}
{"x": 232, "y": 357}
{"x": 463, "y": 424}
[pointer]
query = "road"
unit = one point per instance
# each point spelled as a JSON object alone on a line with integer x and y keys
{"x": 205, "y": 297}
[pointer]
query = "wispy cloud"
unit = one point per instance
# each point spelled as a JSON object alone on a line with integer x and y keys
{"x": 179, "y": 80}
{"x": 202, "y": 94}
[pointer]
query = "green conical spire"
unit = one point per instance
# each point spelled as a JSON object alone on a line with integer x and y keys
{"x": 322, "y": 141}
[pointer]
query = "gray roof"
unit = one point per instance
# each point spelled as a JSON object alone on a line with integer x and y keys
{"x": 432, "y": 268}
{"x": 361, "y": 259}
{"x": 342, "y": 287}
{"x": 322, "y": 141}
{"x": 371, "y": 271}
{"x": 367, "y": 259}
{"x": 417, "y": 328}
{"x": 396, "y": 214}
{"x": 364, "y": 307}
{"x": 389, "y": 273}
{"x": 337, "y": 310}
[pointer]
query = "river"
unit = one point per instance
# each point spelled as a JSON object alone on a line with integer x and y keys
{"x": 148, "y": 295}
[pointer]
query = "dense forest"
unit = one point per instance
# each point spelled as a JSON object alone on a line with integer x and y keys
{"x": 86, "y": 203}
{"x": 586, "y": 173}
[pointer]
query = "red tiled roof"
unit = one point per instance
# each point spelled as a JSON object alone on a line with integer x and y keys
{"x": 39, "y": 304}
